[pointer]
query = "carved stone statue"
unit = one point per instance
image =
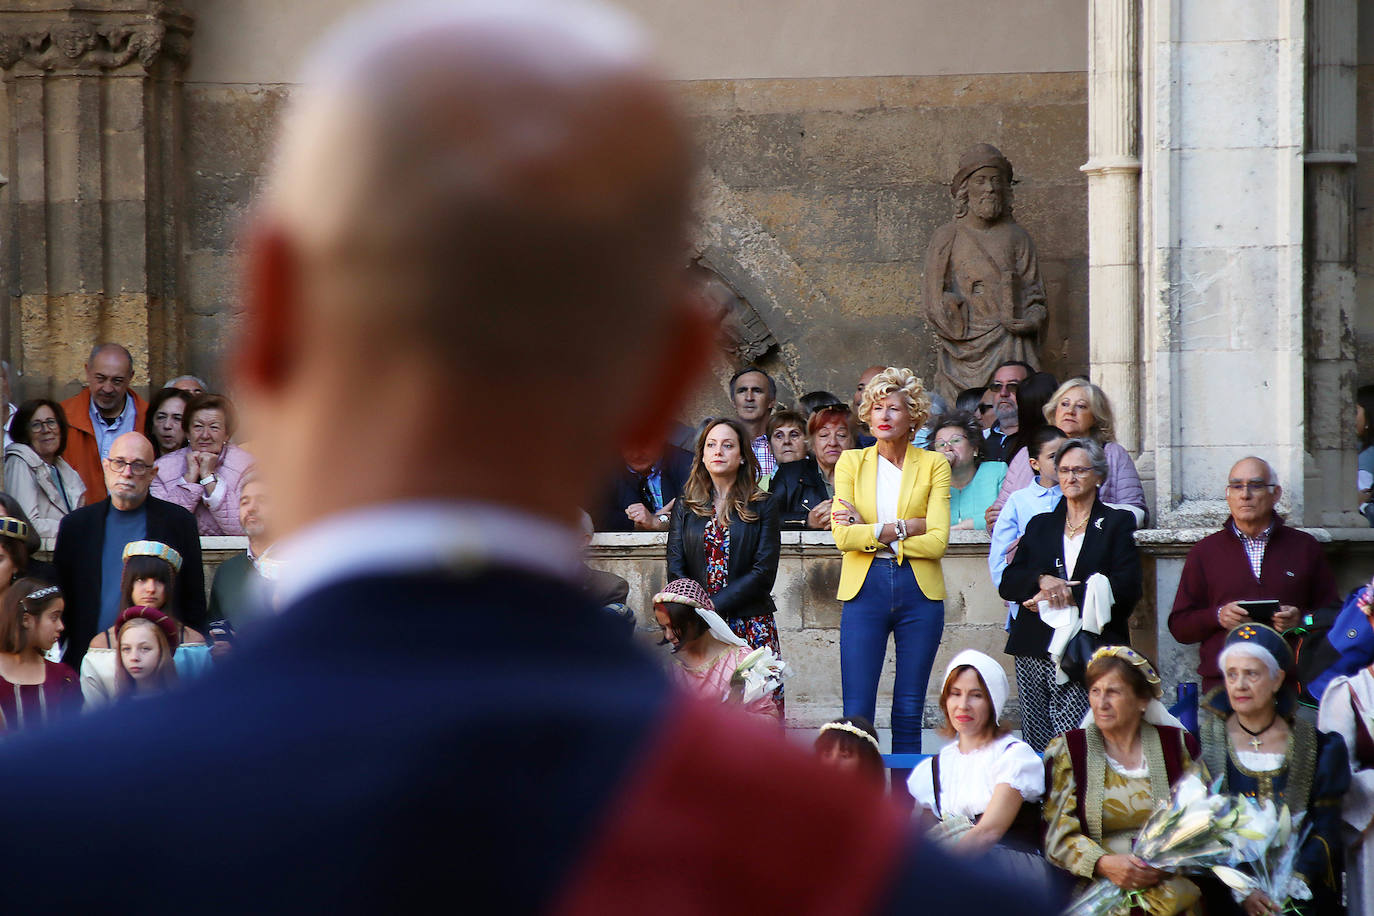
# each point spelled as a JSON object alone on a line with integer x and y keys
{"x": 983, "y": 294}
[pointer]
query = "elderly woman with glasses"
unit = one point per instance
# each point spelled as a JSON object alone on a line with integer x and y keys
{"x": 1076, "y": 563}
{"x": 36, "y": 475}
{"x": 804, "y": 489}
{"x": 1254, "y": 741}
{"x": 1082, "y": 409}
{"x": 973, "y": 482}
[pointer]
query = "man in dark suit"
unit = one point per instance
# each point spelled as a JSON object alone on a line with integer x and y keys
{"x": 642, "y": 495}
{"x": 89, "y": 554}
{"x": 437, "y": 714}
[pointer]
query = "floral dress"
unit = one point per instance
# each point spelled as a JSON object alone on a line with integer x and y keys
{"x": 757, "y": 631}
{"x": 1114, "y": 814}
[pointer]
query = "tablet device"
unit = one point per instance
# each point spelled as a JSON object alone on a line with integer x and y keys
{"x": 1261, "y": 611}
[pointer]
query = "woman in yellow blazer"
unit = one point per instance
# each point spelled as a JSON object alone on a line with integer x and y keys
{"x": 892, "y": 522}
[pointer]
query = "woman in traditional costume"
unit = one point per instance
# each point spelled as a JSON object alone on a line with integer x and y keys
{"x": 709, "y": 660}
{"x": 1106, "y": 778}
{"x": 149, "y": 580}
{"x": 1253, "y": 741}
{"x": 1347, "y": 710}
{"x": 984, "y": 787}
{"x": 147, "y": 646}
{"x": 851, "y": 744}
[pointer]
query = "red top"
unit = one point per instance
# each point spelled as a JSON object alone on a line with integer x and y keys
{"x": 657, "y": 844}
{"x": 1217, "y": 572}
{"x": 29, "y": 705}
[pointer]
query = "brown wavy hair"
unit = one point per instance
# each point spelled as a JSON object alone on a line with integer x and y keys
{"x": 699, "y": 494}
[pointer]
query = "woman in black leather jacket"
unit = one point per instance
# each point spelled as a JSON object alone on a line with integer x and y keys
{"x": 724, "y": 534}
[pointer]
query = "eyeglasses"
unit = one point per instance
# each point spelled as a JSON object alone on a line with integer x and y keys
{"x": 137, "y": 468}
{"x": 951, "y": 442}
{"x": 1005, "y": 386}
{"x": 1248, "y": 486}
{"x": 40, "y": 425}
{"x": 1076, "y": 473}
{"x": 984, "y": 408}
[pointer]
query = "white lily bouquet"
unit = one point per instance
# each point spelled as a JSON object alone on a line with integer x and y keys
{"x": 760, "y": 673}
{"x": 951, "y": 828}
{"x": 1272, "y": 856}
{"x": 1196, "y": 829}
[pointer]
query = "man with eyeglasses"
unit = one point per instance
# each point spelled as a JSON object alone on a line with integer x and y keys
{"x": 100, "y": 413}
{"x": 1254, "y": 557}
{"x": 1006, "y": 381}
{"x": 90, "y": 547}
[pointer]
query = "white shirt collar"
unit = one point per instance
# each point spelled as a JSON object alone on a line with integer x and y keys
{"x": 1042, "y": 490}
{"x": 418, "y": 536}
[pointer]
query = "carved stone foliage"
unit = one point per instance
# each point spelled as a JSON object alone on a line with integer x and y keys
{"x": 83, "y": 44}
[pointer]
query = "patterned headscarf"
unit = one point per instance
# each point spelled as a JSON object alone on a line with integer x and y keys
{"x": 1135, "y": 660}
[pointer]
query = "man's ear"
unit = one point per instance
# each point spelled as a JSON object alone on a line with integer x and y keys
{"x": 267, "y": 340}
{"x": 689, "y": 337}
{"x": 1278, "y": 492}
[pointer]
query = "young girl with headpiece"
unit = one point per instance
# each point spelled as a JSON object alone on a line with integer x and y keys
{"x": 33, "y": 690}
{"x": 850, "y": 743}
{"x": 710, "y": 660}
{"x": 147, "y": 640}
{"x": 149, "y": 580}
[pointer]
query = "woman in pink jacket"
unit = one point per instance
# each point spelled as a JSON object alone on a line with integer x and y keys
{"x": 205, "y": 476}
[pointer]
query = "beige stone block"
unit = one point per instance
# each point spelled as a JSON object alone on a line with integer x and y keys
{"x": 1045, "y": 143}
{"x": 126, "y": 166}
{"x": 818, "y": 225}
{"x": 886, "y": 292}
{"x": 906, "y": 218}
{"x": 231, "y": 129}
{"x": 891, "y": 147}
{"x": 753, "y": 151}
{"x": 76, "y": 247}
{"x": 127, "y": 245}
{"x": 977, "y": 90}
{"x": 808, "y": 95}
{"x": 705, "y": 96}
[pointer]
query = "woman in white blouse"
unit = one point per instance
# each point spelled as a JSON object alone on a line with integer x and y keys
{"x": 984, "y": 787}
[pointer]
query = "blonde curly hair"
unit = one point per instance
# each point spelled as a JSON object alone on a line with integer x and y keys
{"x": 895, "y": 380}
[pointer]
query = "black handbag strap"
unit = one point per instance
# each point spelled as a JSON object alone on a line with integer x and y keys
{"x": 935, "y": 781}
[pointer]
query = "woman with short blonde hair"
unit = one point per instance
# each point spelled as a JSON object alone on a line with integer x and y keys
{"x": 1082, "y": 409}
{"x": 891, "y": 520}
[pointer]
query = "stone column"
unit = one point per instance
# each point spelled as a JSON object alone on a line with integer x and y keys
{"x": 93, "y": 210}
{"x": 1330, "y": 219}
{"x": 1113, "y": 170}
{"x": 1223, "y": 247}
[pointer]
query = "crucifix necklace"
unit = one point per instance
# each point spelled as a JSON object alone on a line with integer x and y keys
{"x": 1255, "y": 741}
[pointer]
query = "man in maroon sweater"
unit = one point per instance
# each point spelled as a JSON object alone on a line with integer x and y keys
{"x": 1254, "y": 556}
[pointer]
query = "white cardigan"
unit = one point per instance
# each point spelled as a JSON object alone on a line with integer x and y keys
{"x": 28, "y": 480}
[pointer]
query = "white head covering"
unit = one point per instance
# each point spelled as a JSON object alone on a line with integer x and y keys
{"x": 991, "y": 672}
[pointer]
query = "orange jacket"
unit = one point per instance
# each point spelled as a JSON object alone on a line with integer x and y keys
{"x": 82, "y": 451}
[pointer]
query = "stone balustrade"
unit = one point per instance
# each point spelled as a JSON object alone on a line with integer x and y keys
{"x": 809, "y": 615}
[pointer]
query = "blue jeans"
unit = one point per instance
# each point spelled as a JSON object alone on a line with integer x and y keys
{"x": 890, "y": 601}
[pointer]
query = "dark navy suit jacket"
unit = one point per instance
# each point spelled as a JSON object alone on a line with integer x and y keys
{"x": 391, "y": 744}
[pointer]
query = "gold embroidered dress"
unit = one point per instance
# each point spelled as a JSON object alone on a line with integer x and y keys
{"x": 1116, "y": 802}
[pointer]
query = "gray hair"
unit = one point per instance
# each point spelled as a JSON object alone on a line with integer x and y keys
{"x": 172, "y": 383}
{"x": 1272, "y": 477}
{"x": 114, "y": 347}
{"x": 1096, "y": 455}
{"x": 1259, "y": 653}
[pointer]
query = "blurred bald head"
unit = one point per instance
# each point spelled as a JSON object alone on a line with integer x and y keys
{"x": 493, "y": 181}
{"x": 471, "y": 203}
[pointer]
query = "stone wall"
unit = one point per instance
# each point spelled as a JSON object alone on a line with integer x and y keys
{"x": 809, "y": 615}
{"x": 819, "y": 198}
